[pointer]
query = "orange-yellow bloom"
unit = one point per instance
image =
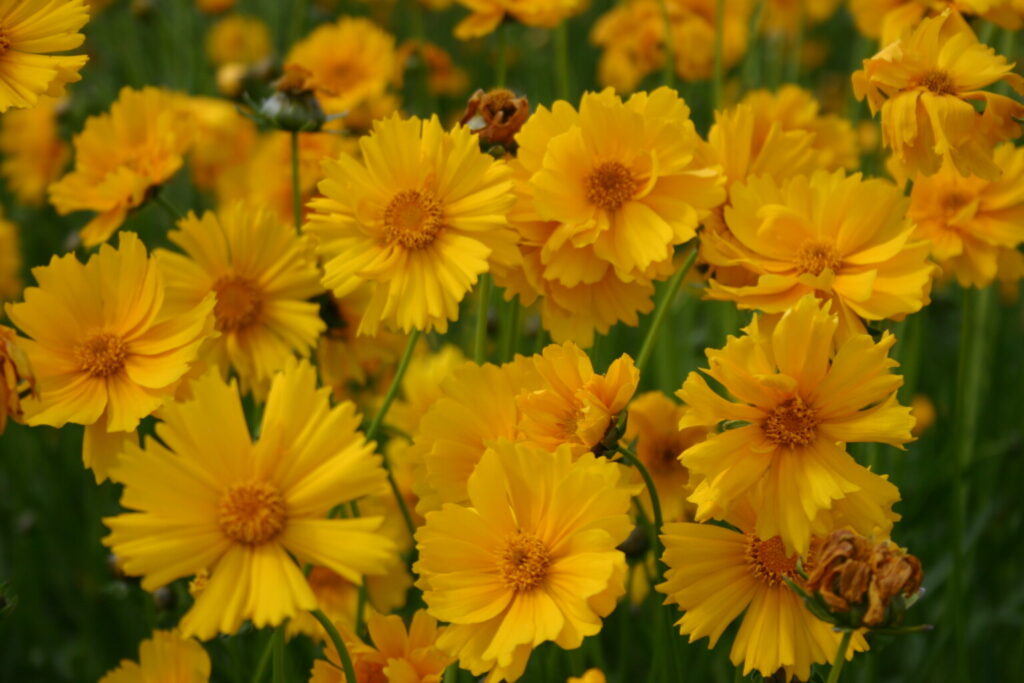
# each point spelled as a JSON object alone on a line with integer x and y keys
{"x": 486, "y": 15}
{"x": 165, "y": 656}
{"x": 16, "y": 377}
{"x": 926, "y": 85}
{"x": 34, "y": 155}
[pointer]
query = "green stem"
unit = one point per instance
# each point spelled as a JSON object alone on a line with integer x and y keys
{"x": 793, "y": 75}
{"x": 451, "y": 674}
{"x": 279, "y": 676}
{"x": 719, "y": 64}
{"x": 668, "y": 73}
{"x": 661, "y": 309}
{"x": 837, "y": 663}
{"x": 501, "y": 64}
{"x": 510, "y": 331}
{"x": 977, "y": 306}
{"x": 298, "y": 9}
{"x": 480, "y": 338}
{"x": 296, "y": 194}
{"x": 630, "y": 458}
{"x": 562, "y": 59}
{"x": 339, "y": 644}
{"x": 167, "y": 206}
{"x": 261, "y": 665}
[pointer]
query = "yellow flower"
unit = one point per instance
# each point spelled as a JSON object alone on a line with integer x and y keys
{"x": 106, "y": 346}
{"x": 397, "y": 655}
{"x": 486, "y": 15}
{"x": 165, "y": 656}
{"x": 29, "y": 31}
{"x": 589, "y": 676}
{"x": 925, "y": 85}
{"x": 34, "y": 155}
{"x": 350, "y": 62}
{"x": 841, "y": 237}
{"x": 971, "y": 221}
{"x": 533, "y": 559}
{"x": 654, "y": 425}
{"x": 262, "y": 275}
{"x": 888, "y": 19}
{"x": 238, "y": 38}
{"x": 16, "y": 379}
{"x": 444, "y": 77}
{"x": 247, "y": 512}
{"x": 224, "y": 139}
{"x": 121, "y": 156}
{"x": 715, "y": 574}
{"x": 800, "y": 403}
{"x": 422, "y": 218}
{"x": 571, "y": 403}
{"x": 923, "y": 410}
{"x": 10, "y": 260}
{"x": 788, "y": 17}
{"x": 215, "y": 6}
{"x": 422, "y": 385}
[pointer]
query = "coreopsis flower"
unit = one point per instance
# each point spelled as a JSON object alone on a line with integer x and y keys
{"x": 10, "y": 260}
{"x": 238, "y": 39}
{"x": 262, "y": 275}
{"x": 397, "y": 654}
{"x": 861, "y": 583}
{"x": 106, "y": 346}
{"x": 926, "y": 85}
{"x": 886, "y": 20}
{"x": 792, "y": 403}
{"x": 30, "y": 30}
{"x": 421, "y": 217}
{"x": 923, "y": 410}
{"x": 654, "y": 425}
{"x": 715, "y": 574}
{"x": 349, "y": 61}
{"x": 205, "y": 496}
{"x": 444, "y": 77}
{"x": 589, "y": 676}
{"x": 841, "y": 237}
{"x": 789, "y": 18}
{"x": 486, "y": 15}
{"x": 571, "y": 404}
{"x": 165, "y": 656}
{"x": 535, "y": 552}
{"x": 16, "y": 378}
{"x": 121, "y": 156}
{"x": 34, "y": 155}
{"x": 224, "y": 139}
{"x": 970, "y": 221}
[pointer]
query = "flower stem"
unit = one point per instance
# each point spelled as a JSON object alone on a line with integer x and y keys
{"x": 339, "y": 644}
{"x": 167, "y": 206}
{"x": 629, "y": 457}
{"x": 451, "y": 674}
{"x": 837, "y": 663}
{"x": 668, "y": 74}
{"x": 261, "y": 665}
{"x": 661, "y": 309}
{"x": 501, "y": 65}
{"x": 296, "y": 196}
{"x": 378, "y": 420}
{"x": 719, "y": 65}
{"x": 480, "y": 338}
{"x": 510, "y": 331}
{"x": 278, "y": 665}
{"x": 562, "y": 59}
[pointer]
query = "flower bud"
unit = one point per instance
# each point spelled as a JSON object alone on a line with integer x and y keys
{"x": 293, "y": 107}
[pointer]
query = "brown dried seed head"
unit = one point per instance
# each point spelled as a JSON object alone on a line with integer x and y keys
{"x": 496, "y": 116}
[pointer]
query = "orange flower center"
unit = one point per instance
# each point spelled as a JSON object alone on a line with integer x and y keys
{"x": 239, "y": 303}
{"x": 5, "y": 41}
{"x": 101, "y": 355}
{"x": 768, "y": 560}
{"x": 792, "y": 423}
{"x": 954, "y": 201}
{"x": 815, "y": 257}
{"x": 251, "y": 513}
{"x": 413, "y": 219}
{"x": 524, "y": 562}
{"x": 938, "y": 82}
{"x": 610, "y": 185}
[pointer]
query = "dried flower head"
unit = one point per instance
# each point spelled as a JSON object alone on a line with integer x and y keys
{"x": 496, "y": 116}
{"x": 16, "y": 377}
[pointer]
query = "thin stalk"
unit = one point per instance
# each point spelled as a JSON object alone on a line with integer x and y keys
{"x": 977, "y": 306}
{"x": 630, "y": 458}
{"x": 339, "y": 644}
{"x": 661, "y": 309}
{"x": 501, "y": 64}
{"x": 168, "y": 207}
{"x": 719, "y": 64}
{"x": 451, "y": 674}
{"x": 562, "y": 59}
{"x": 668, "y": 73}
{"x": 837, "y": 663}
{"x": 279, "y": 655}
{"x": 510, "y": 331}
{"x": 264, "y": 660}
{"x": 793, "y": 75}
{"x": 298, "y": 8}
{"x": 296, "y": 195}
{"x": 480, "y": 338}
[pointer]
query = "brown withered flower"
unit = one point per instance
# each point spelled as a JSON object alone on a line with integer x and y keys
{"x": 854, "y": 576}
{"x": 496, "y": 116}
{"x": 16, "y": 379}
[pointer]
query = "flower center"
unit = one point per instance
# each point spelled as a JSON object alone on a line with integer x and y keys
{"x": 251, "y": 513}
{"x": 954, "y": 201}
{"x": 792, "y": 423}
{"x": 815, "y": 257}
{"x": 239, "y": 303}
{"x": 938, "y": 82}
{"x": 5, "y": 41}
{"x": 610, "y": 185}
{"x": 768, "y": 560}
{"x": 102, "y": 355}
{"x": 413, "y": 219}
{"x": 524, "y": 562}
